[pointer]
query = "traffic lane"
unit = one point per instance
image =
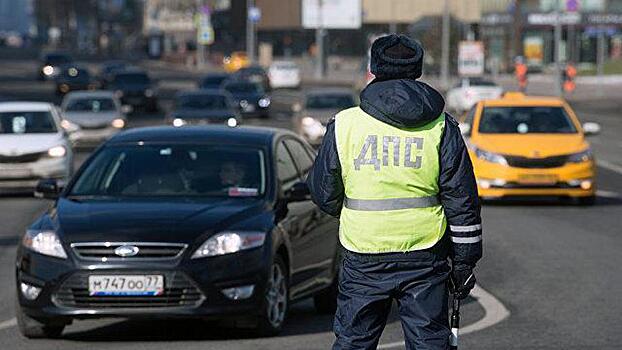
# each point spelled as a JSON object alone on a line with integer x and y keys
{"x": 556, "y": 268}
{"x": 608, "y": 144}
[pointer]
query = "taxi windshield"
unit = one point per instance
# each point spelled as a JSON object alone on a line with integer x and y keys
{"x": 526, "y": 120}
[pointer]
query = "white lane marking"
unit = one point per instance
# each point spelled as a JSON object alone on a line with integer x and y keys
{"x": 609, "y": 166}
{"x": 8, "y": 323}
{"x": 494, "y": 312}
{"x": 607, "y": 194}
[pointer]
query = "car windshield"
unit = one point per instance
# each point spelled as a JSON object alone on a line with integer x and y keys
{"x": 99, "y": 104}
{"x": 329, "y": 101}
{"x": 202, "y": 102}
{"x": 57, "y": 59}
{"x": 133, "y": 78}
{"x": 213, "y": 81}
{"x": 173, "y": 170}
{"x": 242, "y": 88}
{"x": 525, "y": 120}
{"x": 27, "y": 123}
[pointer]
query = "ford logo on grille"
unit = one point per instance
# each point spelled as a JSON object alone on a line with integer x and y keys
{"x": 126, "y": 250}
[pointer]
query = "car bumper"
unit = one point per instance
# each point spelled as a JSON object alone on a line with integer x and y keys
{"x": 91, "y": 137}
{"x": 24, "y": 176}
{"x": 64, "y": 293}
{"x": 572, "y": 180}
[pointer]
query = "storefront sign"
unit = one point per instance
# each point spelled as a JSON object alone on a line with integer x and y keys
{"x": 551, "y": 18}
{"x": 604, "y": 18}
{"x": 471, "y": 58}
{"x": 493, "y": 19}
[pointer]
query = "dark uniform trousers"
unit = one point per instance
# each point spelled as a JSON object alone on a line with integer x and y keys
{"x": 368, "y": 284}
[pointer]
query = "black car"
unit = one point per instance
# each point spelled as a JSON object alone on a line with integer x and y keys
{"x": 134, "y": 87}
{"x": 250, "y": 97}
{"x": 50, "y": 63}
{"x": 254, "y": 74}
{"x": 108, "y": 69}
{"x": 204, "y": 107}
{"x": 204, "y": 221}
{"x": 73, "y": 77}
{"x": 213, "y": 80}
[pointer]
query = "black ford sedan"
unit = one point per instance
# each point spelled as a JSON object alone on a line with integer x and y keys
{"x": 208, "y": 222}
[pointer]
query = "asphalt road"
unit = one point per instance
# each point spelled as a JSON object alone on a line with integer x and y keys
{"x": 555, "y": 267}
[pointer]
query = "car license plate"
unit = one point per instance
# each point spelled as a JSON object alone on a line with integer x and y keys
{"x": 536, "y": 179}
{"x": 130, "y": 285}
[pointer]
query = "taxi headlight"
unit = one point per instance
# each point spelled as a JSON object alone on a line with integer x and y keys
{"x": 490, "y": 157}
{"x": 57, "y": 151}
{"x": 229, "y": 242}
{"x": 44, "y": 242}
{"x": 118, "y": 123}
{"x": 581, "y": 157}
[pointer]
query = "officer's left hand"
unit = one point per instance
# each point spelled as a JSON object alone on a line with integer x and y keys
{"x": 462, "y": 281}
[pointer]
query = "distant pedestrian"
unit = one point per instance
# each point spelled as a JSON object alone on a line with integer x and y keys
{"x": 570, "y": 73}
{"x": 521, "y": 71}
{"x": 397, "y": 173}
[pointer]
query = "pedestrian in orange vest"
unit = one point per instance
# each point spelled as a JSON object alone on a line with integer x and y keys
{"x": 520, "y": 70}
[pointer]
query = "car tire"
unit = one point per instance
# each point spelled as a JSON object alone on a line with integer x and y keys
{"x": 586, "y": 201}
{"x": 275, "y": 301}
{"x": 33, "y": 328}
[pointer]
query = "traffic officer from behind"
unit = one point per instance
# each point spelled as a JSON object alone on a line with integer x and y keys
{"x": 398, "y": 175}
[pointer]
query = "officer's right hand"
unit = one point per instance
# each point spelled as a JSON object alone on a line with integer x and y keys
{"x": 462, "y": 281}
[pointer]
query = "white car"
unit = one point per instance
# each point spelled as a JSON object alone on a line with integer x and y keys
{"x": 284, "y": 74}
{"x": 470, "y": 91}
{"x": 92, "y": 117}
{"x": 33, "y": 146}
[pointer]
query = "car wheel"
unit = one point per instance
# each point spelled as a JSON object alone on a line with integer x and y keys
{"x": 276, "y": 300}
{"x": 33, "y": 328}
{"x": 590, "y": 200}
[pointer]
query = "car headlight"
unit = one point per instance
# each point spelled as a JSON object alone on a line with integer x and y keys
{"x": 264, "y": 102}
{"x": 229, "y": 242}
{"x": 69, "y": 126}
{"x": 149, "y": 93}
{"x": 177, "y": 122}
{"x": 308, "y": 121}
{"x": 490, "y": 157}
{"x": 581, "y": 157}
{"x": 57, "y": 151}
{"x": 48, "y": 70}
{"x": 118, "y": 123}
{"x": 232, "y": 122}
{"x": 44, "y": 242}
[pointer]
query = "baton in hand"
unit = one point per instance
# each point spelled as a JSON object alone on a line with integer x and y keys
{"x": 455, "y": 324}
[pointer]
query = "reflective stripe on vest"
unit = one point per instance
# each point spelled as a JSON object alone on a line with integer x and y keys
{"x": 390, "y": 177}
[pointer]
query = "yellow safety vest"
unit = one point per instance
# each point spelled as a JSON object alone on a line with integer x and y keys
{"x": 391, "y": 184}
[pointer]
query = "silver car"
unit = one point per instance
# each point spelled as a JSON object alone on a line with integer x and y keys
{"x": 33, "y": 146}
{"x": 318, "y": 107}
{"x": 91, "y": 117}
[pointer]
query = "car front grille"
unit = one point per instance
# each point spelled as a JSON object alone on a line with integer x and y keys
{"x": 105, "y": 251}
{"x": 179, "y": 291}
{"x": 22, "y": 158}
{"x": 536, "y": 163}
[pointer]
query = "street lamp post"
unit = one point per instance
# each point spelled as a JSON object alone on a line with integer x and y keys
{"x": 319, "y": 41}
{"x": 250, "y": 31}
{"x": 445, "y": 46}
{"x": 558, "y": 39}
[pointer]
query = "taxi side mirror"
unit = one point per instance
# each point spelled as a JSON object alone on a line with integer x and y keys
{"x": 590, "y": 129}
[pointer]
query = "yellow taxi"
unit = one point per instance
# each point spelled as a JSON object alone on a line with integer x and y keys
{"x": 530, "y": 146}
{"x": 236, "y": 61}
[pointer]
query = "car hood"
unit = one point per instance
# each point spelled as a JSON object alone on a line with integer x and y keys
{"x": 15, "y": 145}
{"x": 218, "y": 114}
{"x": 535, "y": 146}
{"x": 90, "y": 118}
{"x": 150, "y": 221}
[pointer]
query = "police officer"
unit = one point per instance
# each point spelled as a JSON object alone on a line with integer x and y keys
{"x": 398, "y": 175}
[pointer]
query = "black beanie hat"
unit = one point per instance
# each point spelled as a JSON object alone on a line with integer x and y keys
{"x": 396, "y": 56}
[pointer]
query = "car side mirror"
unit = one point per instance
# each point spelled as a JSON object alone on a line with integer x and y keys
{"x": 47, "y": 188}
{"x": 126, "y": 109}
{"x": 591, "y": 128}
{"x": 465, "y": 128}
{"x": 298, "y": 193}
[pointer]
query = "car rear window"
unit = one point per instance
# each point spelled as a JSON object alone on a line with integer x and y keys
{"x": 27, "y": 123}
{"x": 100, "y": 104}
{"x": 173, "y": 170}
{"x": 205, "y": 101}
{"x": 525, "y": 120}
